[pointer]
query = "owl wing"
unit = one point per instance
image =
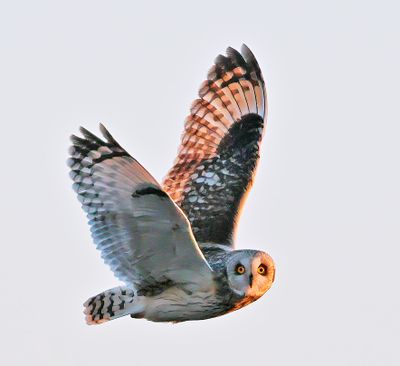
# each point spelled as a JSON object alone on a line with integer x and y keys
{"x": 219, "y": 150}
{"x": 142, "y": 234}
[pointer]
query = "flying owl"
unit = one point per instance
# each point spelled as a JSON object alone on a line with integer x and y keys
{"x": 172, "y": 244}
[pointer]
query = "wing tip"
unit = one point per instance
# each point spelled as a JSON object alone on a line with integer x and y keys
{"x": 252, "y": 61}
{"x": 89, "y": 137}
{"x": 107, "y": 135}
{"x": 247, "y": 52}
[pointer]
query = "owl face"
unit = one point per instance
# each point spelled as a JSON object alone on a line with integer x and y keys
{"x": 250, "y": 272}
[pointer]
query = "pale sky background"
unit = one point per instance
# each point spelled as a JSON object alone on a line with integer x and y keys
{"x": 325, "y": 205}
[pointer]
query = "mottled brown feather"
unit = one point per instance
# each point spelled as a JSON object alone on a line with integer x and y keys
{"x": 220, "y": 143}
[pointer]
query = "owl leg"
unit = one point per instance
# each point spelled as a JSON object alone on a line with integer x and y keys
{"x": 111, "y": 304}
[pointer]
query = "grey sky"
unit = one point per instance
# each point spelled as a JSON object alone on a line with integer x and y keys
{"x": 325, "y": 203}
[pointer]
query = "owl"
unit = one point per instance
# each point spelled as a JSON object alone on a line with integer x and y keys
{"x": 172, "y": 244}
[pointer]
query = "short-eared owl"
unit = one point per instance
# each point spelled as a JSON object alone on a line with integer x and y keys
{"x": 172, "y": 244}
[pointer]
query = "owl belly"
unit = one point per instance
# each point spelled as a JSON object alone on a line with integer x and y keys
{"x": 176, "y": 305}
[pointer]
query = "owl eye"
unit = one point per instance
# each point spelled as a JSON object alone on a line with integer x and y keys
{"x": 240, "y": 269}
{"x": 262, "y": 270}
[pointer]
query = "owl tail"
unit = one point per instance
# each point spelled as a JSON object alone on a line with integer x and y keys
{"x": 112, "y": 304}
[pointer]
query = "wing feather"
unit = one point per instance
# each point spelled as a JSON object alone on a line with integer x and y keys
{"x": 142, "y": 234}
{"x": 219, "y": 150}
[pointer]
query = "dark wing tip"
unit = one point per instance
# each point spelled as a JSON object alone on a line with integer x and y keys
{"x": 108, "y": 135}
{"x": 90, "y": 141}
{"x": 246, "y": 51}
{"x": 245, "y": 59}
{"x": 90, "y": 136}
{"x": 236, "y": 57}
{"x": 77, "y": 141}
{"x": 252, "y": 61}
{"x": 72, "y": 137}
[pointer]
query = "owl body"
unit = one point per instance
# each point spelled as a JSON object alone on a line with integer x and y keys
{"x": 179, "y": 305}
{"x": 172, "y": 244}
{"x": 176, "y": 303}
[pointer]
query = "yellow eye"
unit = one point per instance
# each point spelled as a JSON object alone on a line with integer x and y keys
{"x": 262, "y": 270}
{"x": 240, "y": 269}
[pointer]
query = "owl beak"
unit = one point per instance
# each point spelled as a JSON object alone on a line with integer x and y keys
{"x": 251, "y": 280}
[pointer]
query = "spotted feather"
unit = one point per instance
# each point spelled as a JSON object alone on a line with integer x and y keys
{"x": 219, "y": 150}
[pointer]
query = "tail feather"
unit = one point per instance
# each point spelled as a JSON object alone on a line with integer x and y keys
{"x": 110, "y": 304}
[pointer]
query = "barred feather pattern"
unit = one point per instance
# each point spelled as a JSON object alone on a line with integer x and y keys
{"x": 104, "y": 175}
{"x": 219, "y": 150}
{"x": 108, "y": 305}
{"x": 141, "y": 233}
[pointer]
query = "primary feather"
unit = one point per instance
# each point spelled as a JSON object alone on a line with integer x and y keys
{"x": 130, "y": 215}
{"x": 220, "y": 147}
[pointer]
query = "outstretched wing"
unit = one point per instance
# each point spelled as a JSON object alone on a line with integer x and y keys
{"x": 143, "y": 236}
{"x": 220, "y": 147}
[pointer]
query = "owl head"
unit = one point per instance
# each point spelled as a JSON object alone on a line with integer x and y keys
{"x": 250, "y": 272}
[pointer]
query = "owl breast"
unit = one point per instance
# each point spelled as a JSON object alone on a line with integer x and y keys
{"x": 177, "y": 305}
